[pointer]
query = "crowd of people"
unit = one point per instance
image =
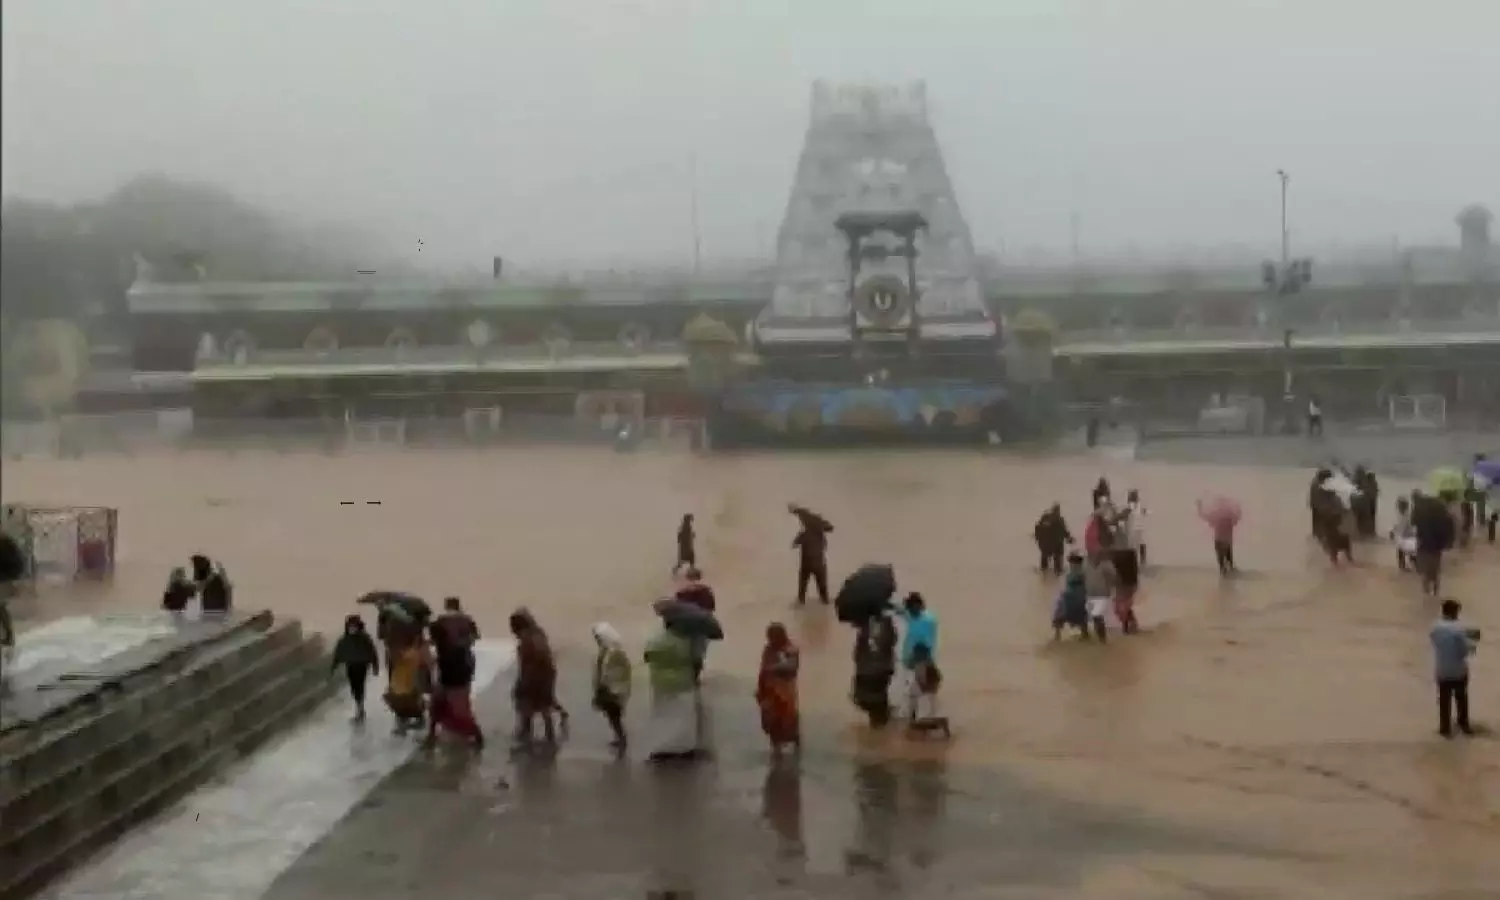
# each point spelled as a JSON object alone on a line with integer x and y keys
{"x": 1104, "y": 577}
{"x": 1451, "y": 512}
{"x": 1101, "y": 580}
{"x": 430, "y": 663}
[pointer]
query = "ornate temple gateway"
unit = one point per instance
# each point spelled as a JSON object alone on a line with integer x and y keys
{"x": 877, "y": 328}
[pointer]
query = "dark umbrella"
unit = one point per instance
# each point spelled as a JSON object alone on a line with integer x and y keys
{"x": 401, "y": 603}
{"x": 865, "y": 594}
{"x": 689, "y": 620}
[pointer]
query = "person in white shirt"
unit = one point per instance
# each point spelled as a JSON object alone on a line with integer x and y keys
{"x": 1100, "y": 581}
{"x": 1137, "y": 524}
{"x": 1314, "y": 418}
{"x": 1404, "y": 534}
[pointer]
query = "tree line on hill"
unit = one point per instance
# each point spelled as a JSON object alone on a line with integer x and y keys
{"x": 66, "y": 268}
{"x": 65, "y": 261}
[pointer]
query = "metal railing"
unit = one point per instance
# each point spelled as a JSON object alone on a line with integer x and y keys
{"x": 1412, "y": 329}
{"x": 449, "y": 354}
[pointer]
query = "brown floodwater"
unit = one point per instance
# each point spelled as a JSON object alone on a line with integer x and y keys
{"x": 1293, "y": 705}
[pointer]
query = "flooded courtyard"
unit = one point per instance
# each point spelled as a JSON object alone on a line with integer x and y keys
{"x": 1272, "y": 736}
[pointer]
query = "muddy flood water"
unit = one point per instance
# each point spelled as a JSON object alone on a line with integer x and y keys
{"x": 1292, "y": 708}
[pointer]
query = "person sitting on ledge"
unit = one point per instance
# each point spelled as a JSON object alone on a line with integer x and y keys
{"x": 215, "y": 593}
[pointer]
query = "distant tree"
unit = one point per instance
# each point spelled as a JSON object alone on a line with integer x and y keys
{"x": 1028, "y": 351}
{"x": 58, "y": 261}
{"x": 704, "y": 331}
{"x": 50, "y": 357}
{"x": 1033, "y": 323}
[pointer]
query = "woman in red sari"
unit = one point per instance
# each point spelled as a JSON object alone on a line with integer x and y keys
{"x": 776, "y": 690}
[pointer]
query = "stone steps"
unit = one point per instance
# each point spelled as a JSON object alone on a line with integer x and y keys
{"x": 73, "y": 782}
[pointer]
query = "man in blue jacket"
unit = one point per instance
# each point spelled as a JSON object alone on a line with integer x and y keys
{"x": 1452, "y": 645}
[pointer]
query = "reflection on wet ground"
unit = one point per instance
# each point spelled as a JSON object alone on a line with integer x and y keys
{"x": 578, "y": 824}
{"x": 1267, "y": 737}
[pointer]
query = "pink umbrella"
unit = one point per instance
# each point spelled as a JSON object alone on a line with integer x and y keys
{"x": 1220, "y": 512}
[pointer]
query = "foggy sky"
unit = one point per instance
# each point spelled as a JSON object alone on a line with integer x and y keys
{"x": 563, "y": 130}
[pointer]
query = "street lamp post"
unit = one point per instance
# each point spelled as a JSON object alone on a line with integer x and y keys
{"x": 1282, "y": 280}
{"x": 1290, "y": 275}
{"x": 1286, "y": 237}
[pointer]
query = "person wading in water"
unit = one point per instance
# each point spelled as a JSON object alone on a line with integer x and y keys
{"x": 1136, "y": 511}
{"x": 1100, "y": 493}
{"x": 1452, "y": 645}
{"x": 687, "y": 551}
{"x": 1052, "y": 539}
{"x": 1434, "y": 531}
{"x": 874, "y": 667}
{"x": 697, "y": 592}
{"x": 811, "y": 544}
{"x": 776, "y": 690}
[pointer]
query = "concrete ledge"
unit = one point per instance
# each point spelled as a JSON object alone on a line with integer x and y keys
{"x": 75, "y": 787}
{"x": 44, "y": 699}
{"x": 98, "y": 714}
{"x": 49, "y": 777}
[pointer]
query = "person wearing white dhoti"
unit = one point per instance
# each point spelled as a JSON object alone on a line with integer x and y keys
{"x": 673, "y": 731}
{"x": 1135, "y": 522}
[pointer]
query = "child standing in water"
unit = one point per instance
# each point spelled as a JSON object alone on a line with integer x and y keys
{"x": 356, "y": 653}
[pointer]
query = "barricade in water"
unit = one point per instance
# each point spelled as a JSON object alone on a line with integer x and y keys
{"x": 64, "y": 543}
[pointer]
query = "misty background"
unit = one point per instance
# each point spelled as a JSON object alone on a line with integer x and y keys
{"x": 565, "y": 134}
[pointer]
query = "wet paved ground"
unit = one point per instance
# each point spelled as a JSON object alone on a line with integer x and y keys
{"x": 230, "y": 839}
{"x": 1269, "y": 737}
{"x": 580, "y": 825}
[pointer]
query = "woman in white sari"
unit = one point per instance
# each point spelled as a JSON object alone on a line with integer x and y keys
{"x": 673, "y": 731}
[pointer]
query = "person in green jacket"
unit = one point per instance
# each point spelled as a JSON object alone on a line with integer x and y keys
{"x": 674, "y": 697}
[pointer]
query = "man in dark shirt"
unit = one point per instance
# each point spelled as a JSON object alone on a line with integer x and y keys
{"x": 811, "y": 544}
{"x": 453, "y": 636}
{"x": 1434, "y": 527}
{"x": 1052, "y": 539}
